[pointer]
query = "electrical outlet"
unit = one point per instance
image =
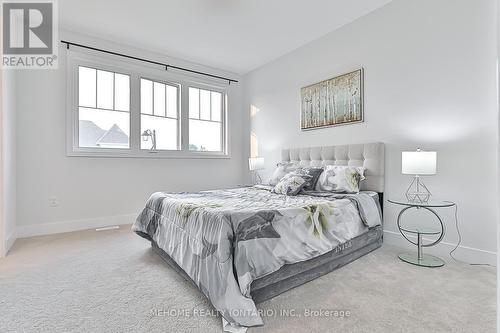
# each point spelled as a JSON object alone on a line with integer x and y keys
{"x": 53, "y": 202}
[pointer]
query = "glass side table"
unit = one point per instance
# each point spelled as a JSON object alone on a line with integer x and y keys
{"x": 419, "y": 258}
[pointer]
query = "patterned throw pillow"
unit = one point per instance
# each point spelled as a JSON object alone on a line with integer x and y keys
{"x": 281, "y": 170}
{"x": 340, "y": 179}
{"x": 291, "y": 184}
{"x": 314, "y": 172}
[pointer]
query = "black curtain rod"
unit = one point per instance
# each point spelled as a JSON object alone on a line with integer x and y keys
{"x": 167, "y": 66}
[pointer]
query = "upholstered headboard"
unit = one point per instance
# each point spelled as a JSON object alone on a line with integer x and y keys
{"x": 369, "y": 155}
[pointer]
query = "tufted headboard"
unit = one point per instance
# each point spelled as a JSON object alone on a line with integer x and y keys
{"x": 369, "y": 155}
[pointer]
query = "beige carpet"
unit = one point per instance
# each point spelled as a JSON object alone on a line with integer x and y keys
{"x": 111, "y": 281}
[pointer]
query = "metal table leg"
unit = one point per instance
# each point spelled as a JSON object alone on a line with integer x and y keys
{"x": 420, "y": 259}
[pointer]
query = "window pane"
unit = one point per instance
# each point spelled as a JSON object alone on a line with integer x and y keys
{"x": 146, "y": 96}
{"x": 194, "y": 103}
{"x": 216, "y": 106}
{"x": 159, "y": 99}
{"x": 104, "y": 90}
{"x": 103, "y": 128}
{"x": 204, "y": 104}
{"x": 172, "y": 101}
{"x": 122, "y": 92}
{"x": 86, "y": 87}
{"x": 204, "y": 135}
{"x": 165, "y": 131}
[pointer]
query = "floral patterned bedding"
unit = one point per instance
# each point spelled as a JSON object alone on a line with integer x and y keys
{"x": 251, "y": 230}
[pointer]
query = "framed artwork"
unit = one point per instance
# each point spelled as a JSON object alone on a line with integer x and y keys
{"x": 336, "y": 101}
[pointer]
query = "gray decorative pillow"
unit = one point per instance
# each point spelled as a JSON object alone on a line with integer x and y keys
{"x": 281, "y": 170}
{"x": 341, "y": 179}
{"x": 314, "y": 172}
{"x": 291, "y": 184}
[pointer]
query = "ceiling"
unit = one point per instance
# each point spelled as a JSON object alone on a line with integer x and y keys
{"x": 232, "y": 35}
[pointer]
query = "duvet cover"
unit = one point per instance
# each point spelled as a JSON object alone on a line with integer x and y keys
{"x": 225, "y": 239}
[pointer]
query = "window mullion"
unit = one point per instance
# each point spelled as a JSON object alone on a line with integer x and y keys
{"x": 114, "y": 90}
{"x": 153, "y": 97}
{"x": 96, "y": 85}
{"x": 135, "y": 118}
{"x": 199, "y": 103}
{"x": 166, "y": 104}
{"x": 184, "y": 117}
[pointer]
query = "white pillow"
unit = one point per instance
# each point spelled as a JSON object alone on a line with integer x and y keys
{"x": 281, "y": 170}
{"x": 340, "y": 179}
{"x": 292, "y": 183}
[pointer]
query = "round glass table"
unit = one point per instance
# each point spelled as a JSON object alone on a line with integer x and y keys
{"x": 419, "y": 258}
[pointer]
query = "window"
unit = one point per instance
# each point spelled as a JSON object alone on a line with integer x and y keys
{"x": 205, "y": 120}
{"x": 103, "y": 109}
{"x": 159, "y": 116}
{"x": 119, "y": 109}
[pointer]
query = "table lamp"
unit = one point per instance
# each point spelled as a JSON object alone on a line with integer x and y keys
{"x": 254, "y": 164}
{"x": 418, "y": 163}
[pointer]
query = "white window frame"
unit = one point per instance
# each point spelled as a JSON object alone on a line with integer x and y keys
{"x": 179, "y": 108}
{"x": 223, "y": 115}
{"x": 136, "y": 72}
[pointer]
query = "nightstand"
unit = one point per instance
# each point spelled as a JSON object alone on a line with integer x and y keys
{"x": 419, "y": 258}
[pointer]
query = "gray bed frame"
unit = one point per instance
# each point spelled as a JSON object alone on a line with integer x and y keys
{"x": 372, "y": 157}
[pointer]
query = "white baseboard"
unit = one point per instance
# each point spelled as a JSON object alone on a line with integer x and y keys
{"x": 463, "y": 253}
{"x": 73, "y": 225}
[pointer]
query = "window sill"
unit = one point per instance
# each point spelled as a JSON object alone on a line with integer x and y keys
{"x": 123, "y": 153}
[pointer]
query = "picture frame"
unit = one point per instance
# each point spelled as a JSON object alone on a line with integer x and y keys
{"x": 333, "y": 102}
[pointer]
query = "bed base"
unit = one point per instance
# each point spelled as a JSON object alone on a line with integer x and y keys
{"x": 294, "y": 275}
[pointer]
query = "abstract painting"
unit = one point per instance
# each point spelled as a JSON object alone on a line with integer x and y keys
{"x": 336, "y": 101}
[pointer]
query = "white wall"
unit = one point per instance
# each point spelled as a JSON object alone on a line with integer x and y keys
{"x": 98, "y": 191}
{"x": 8, "y": 158}
{"x": 429, "y": 83}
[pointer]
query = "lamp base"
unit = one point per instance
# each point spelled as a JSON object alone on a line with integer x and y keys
{"x": 417, "y": 192}
{"x": 256, "y": 179}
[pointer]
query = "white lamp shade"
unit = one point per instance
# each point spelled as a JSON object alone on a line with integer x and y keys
{"x": 418, "y": 162}
{"x": 256, "y": 163}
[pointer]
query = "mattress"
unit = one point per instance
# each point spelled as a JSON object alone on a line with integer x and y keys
{"x": 293, "y": 275}
{"x": 225, "y": 240}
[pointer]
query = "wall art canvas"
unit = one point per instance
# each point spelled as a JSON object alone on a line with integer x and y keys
{"x": 336, "y": 101}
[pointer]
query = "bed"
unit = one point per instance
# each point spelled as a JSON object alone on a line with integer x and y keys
{"x": 245, "y": 245}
